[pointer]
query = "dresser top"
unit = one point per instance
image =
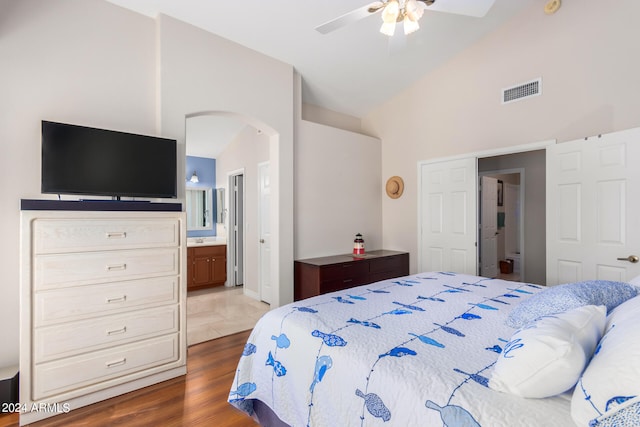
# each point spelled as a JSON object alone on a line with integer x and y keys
{"x": 97, "y": 205}
{"x": 337, "y": 259}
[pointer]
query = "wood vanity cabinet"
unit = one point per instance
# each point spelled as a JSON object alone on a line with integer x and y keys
{"x": 206, "y": 266}
{"x": 317, "y": 276}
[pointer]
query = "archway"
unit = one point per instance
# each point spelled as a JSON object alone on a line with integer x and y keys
{"x": 234, "y": 126}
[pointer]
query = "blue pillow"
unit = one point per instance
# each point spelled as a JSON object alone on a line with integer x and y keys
{"x": 627, "y": 416}
{"x": 557, "y": 299}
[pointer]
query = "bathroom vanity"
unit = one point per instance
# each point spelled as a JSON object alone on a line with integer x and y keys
{"x": 206, "y": 263}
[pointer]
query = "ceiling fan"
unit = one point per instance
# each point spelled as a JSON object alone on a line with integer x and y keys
{"x": 406, "y": 11}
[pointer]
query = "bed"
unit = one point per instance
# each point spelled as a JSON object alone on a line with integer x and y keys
{"x": 421, "y": 350}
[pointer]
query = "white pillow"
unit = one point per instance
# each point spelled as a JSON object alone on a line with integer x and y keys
{"x": 546, "y": 357}
{"x": 611, "y": 382}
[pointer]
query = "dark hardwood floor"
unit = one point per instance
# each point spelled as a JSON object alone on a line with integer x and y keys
{"x": 197, "y": 399}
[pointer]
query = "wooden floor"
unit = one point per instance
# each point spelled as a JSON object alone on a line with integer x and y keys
{"x": 197, "y": 399}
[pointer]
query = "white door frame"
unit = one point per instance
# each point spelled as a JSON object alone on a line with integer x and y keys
{"x": 261, "y": 254}
{"x": 480, "y": 154}
{"x": 231, "y": 245}
{"x": 487, "y": 252}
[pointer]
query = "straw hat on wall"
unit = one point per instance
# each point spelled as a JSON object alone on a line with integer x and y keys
{"x": 395, "y": 187}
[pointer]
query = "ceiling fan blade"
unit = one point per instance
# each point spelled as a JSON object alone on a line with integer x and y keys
{"x": 475, "y": 8}
{"x": 349, "y": 17}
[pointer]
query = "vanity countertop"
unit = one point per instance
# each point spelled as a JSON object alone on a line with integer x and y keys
{"x": 206, "y": 241}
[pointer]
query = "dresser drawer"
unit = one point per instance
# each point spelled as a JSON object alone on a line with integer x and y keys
{"x": 70, "y": 339}
{"x": 78, "y": 235}
{"x": 346, "y": 270}
{"x": 64, "y": 375}
{"x": 82, "y": 302}
{"x": 391, "y": 263}
{"x": 338, "y": 285}
{"x": 62, "y": 270}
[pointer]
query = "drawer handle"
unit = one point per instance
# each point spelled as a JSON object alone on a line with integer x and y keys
{"x": 347, "y": 280}
{"x": 123, "y": 298}
{"x": 117, "y": 331}
{"x": 115, "y": 363}
{"x": 116, "y": 235}
{"x": 117, "y": 267}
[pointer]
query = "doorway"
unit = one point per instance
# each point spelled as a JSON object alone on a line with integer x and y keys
{"x": 238, "y": 146}
{"x": 445, "y": 209}
{"x": 500, "y": 218}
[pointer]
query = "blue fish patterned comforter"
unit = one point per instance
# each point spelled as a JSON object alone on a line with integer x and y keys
{"x": 412, "y": 351}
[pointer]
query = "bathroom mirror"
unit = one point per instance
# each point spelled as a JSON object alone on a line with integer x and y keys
{"x": 199, "y": 201}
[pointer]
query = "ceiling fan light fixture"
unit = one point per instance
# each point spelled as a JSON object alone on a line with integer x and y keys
{"x": 413, "y": 10}
{"x": 410, "y": 25}
{"x": 390, "y": 12}
{"x": 388, "y": 28}
{"x": 390, "y": 17}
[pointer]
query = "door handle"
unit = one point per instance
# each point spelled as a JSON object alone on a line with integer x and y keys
{"x": 630, "y": 258}
{"x": 261, "y": 240}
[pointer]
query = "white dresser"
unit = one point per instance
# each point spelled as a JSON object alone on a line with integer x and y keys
{"x": 103, "y": 303}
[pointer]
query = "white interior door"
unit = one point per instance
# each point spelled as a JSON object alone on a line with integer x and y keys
{"x": 447, "y": 216}
{"x": 489, "y": 227}
{"x": 265, "y": 231}
{"x": 593, "y": 208}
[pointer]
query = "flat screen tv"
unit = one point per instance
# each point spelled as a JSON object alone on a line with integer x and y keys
{"x": 89, "y": 161}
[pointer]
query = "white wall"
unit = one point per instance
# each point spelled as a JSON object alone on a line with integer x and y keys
{"x": 61, "y": 61}
{"x": 585, "y": 54}
{"x": 245, "y": 152}
{"x": 202, "y": 72}
{"x": 93, "y": 63}
{"x": 338, "y": 191}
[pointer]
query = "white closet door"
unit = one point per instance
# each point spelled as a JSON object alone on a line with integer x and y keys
{"x": 447, "y": 216}
{"x": 593, "y": 208}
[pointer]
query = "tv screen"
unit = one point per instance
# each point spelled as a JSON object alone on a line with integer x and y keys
{"x": 90, "y": 161}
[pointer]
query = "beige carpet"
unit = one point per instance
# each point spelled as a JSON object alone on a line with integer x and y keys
{"x": 213, "y": 313}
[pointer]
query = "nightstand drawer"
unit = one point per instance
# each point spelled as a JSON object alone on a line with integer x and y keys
{"x": 82, "y": 302}
{"x": 78, "y": 235}
{"x": 72, "y": 373}
{"x": 64, "y": 270}
{"x": 70, "y": 339}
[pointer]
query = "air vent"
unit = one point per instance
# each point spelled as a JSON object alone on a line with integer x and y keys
{"x": 522, "y": 91}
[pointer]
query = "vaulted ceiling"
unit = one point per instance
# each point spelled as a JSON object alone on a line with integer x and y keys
{"x": 352, "y": 69}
